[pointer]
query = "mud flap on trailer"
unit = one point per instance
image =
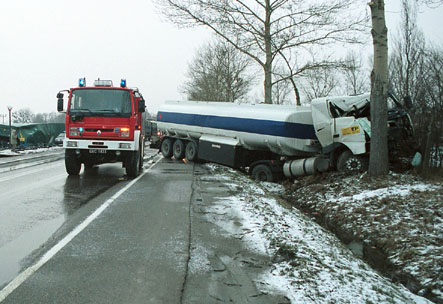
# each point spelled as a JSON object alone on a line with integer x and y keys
{"x": 221, "y": 150}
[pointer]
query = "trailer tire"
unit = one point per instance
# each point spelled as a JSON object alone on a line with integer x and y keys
{"x": 166, "y": 148}
{"x": 72, "y": 163}
{"x": 178, "y": 149}
{"x": 262, "y": 173}
{"x": 350, "y": 163}
{"x": 132, "y": 164}
{"x": 191, "y": 151}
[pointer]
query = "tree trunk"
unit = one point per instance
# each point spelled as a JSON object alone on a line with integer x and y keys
{"x": 378, "y": 160}
{"x": 268, "y": 50}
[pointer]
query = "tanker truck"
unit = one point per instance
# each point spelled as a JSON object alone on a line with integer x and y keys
{"x": 272, "y": 141}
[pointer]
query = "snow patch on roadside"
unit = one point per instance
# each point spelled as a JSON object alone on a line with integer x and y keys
{"x": 310, "y": 264}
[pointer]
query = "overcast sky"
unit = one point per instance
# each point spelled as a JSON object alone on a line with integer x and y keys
{"x": 47, "y": 45}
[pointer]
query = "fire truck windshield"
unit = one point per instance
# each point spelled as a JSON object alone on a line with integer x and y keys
{"x": 100, "y": 102}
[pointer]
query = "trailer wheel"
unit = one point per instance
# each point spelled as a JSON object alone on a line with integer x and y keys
{"x": 166, "y": 148}
{"x": 191, "y": 151}
{"x": 178, "y": 149}
{"x": 72, "y": 163}
{"x": 350, "y": 163}
{"x": 262, "y": 173}
{"x": 132, "y": 164}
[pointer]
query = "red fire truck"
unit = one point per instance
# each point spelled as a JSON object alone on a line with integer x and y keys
{"x": 104, "y": 124}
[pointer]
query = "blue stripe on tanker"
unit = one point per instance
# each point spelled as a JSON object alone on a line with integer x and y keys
{"x": 248, "y": 125}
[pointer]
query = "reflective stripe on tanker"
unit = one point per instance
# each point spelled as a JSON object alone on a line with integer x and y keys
{"x": 265, "y": 127}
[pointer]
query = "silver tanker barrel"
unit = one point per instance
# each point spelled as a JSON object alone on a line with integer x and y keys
{"x": 283, "y": 130}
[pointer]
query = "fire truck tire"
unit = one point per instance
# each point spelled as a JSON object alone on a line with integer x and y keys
{"x": 166, "y": 148}
{"x": 350, "y": 163}
{"x": 133, "y": 164}
{"x": 262, "y": 173}
{"x": 191, "y": 151}
{"x": 178, "y": 149}
{"x": 72, "y": 164}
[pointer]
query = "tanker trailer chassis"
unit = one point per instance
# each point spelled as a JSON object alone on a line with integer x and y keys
{"x": 262, "y": 165}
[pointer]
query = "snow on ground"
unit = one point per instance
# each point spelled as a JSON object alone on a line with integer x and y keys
{"x": 9, "y": 152}
{"x": 310, "y": 264}
{"x": 399, "y": 215}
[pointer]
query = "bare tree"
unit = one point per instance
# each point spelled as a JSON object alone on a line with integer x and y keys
{"x": 218, "y": 72}
{"x": 22, "y": 116}
{"x": 319, "y": 82}
{"x": 266, "y": 29}
{"x": 281, "y": 91}
{"x": 378, "y": 159}
{"x": 407, "y": 56}
{"x": 355, "y": 78}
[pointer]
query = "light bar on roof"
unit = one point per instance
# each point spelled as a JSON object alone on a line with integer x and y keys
{"x": 103, "y": 83}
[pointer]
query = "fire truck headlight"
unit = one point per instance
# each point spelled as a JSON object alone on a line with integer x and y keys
{"x": 125, "y": 146}
{"x": 72, "y": 144}
{"x": 124, "y": 132}
{"x": 73, "y": 132}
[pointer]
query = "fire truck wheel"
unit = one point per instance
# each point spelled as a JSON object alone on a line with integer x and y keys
{"x": 262, "y": 173}
{"x": 133, "y": 164}
{"x": 72, "y": 164}
{"x": 350, "y": 163}
{"x": 166, "y": 148}
{"x": 191, "y": 151}
{"x": 178, "y": 149}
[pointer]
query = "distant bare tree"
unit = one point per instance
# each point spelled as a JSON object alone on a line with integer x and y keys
{"x": 218, "y": 72}
{"x": 22, "y": 116}
{"x": 407, "y": 57}
{"x": 319, "y": 82}
{"x": 267, "y": 29}
{"x": 355, "y": 77}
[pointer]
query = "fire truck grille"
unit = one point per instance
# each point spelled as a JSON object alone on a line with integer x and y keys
{"x": 102, "y": 130}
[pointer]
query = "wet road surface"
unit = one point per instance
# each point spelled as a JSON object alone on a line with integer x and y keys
{"x": 36, "y": 200}
{"x": 147, "y": 240}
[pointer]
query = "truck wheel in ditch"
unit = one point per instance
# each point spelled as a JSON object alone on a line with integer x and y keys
{"x": 350, "y": 163}
{"x": 166, "y": 148}
{"x": 72, "y": 163}
{"x": 191, "y": 151}
{"x": 178, "y": 149}
{"x": 262, "y": 173}
{"x": 133, "y": 164}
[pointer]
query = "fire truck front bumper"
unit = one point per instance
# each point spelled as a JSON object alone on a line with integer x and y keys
{"x": 100, "y": 145}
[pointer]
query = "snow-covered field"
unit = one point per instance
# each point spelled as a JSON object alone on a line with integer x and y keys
{"x": 310, "y": 264}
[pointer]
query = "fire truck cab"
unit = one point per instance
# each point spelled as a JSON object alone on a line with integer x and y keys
{"x": 104, "y": 124}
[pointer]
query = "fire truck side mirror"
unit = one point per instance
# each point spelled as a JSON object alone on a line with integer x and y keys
{"x": 141, "y": 105}
{"x": 60, "y": 102}
{"x": 60, "y": 105}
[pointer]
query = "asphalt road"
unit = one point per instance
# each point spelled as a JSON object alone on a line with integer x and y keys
{"x": 107, "y": 239}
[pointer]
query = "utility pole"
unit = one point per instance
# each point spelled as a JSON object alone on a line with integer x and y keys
{"x": 10, "y": 129}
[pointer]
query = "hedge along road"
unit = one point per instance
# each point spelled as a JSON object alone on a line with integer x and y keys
{"x": 135, "y": 248}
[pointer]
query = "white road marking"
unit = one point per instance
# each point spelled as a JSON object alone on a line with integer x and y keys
{"x": 57, "y": 247}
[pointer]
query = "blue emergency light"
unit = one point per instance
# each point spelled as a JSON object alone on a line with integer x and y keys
{"x": 80, "y": 129}
{"x": 82, "y": 82}
{"x": 123, "y": 83}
